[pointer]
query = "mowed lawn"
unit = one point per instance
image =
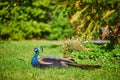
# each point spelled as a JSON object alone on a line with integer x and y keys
{"x": 15, "y": 64}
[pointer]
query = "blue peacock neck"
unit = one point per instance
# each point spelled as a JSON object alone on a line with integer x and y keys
{"x": 35, "y": 58}
{"x": 36, "y": 54}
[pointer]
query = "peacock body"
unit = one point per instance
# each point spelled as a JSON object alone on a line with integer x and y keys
{"x": 52, "y": 61}
{"x": 49, "y": 61}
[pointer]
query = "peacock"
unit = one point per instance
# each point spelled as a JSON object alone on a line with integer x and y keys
{"x": 52, "y": 61}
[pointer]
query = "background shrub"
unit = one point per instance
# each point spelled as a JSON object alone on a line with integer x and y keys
{"x": 60, "y": 26}
{"x": 24, "y": 19}
{"x": 33, "y": 19}
{"x": 56, "y": 19}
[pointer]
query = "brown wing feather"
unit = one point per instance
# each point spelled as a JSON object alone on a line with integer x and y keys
{"x": 43, "y": 62}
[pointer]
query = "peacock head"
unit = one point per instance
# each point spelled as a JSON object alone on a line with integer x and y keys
{"x": 37, "y": 49}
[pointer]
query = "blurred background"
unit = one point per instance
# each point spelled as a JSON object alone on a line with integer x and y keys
{"x": 59, "y": 19}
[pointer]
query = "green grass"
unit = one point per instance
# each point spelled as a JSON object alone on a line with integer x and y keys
{"x": 15, "y": 64}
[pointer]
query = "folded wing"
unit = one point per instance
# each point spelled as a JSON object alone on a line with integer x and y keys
{"x": 56, "y": 61}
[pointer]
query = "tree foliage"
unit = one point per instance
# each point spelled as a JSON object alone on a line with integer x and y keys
{"x": 27, "y": 19}
{"x": 24, "y": 19}
{"x": 56, "y": 19}
{"x": 60, "y": 26}
{"x": 89, "y": 16}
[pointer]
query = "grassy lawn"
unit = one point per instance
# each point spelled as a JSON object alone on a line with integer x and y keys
{"x": 15, "y": 64}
